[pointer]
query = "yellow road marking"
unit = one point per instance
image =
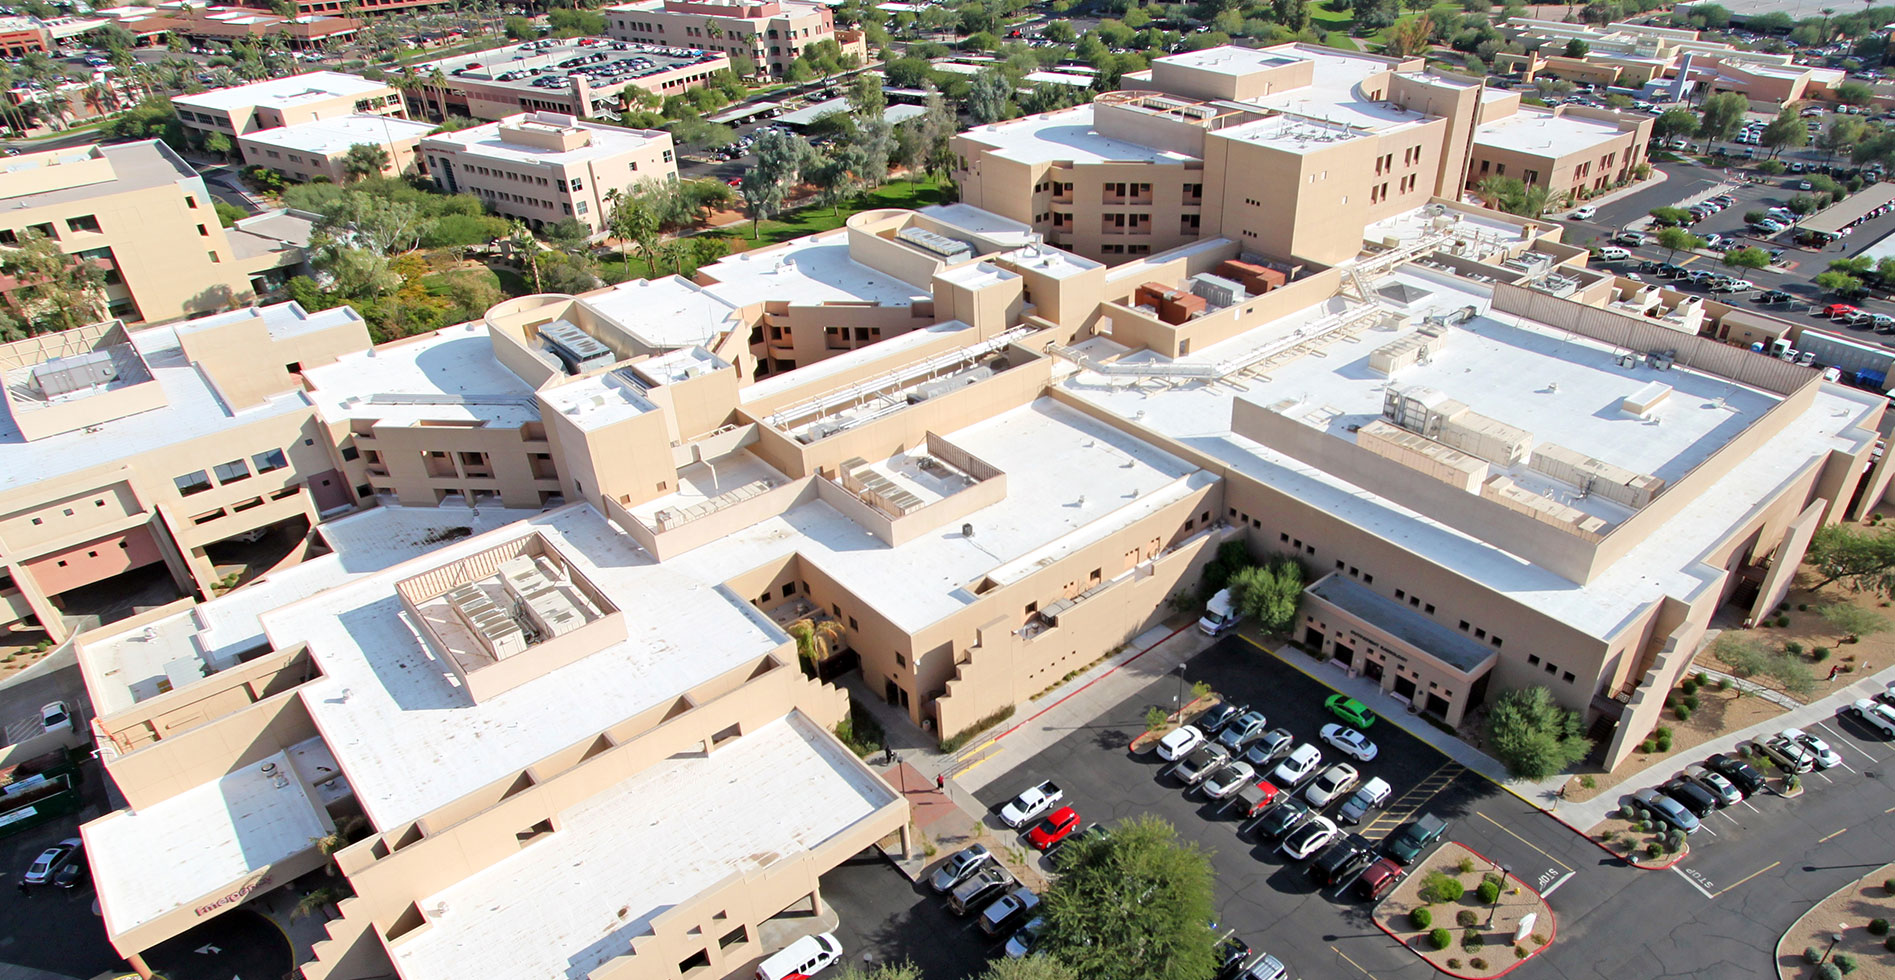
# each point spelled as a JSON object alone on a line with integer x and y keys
{"x": 1747, "y": 877}
{"x": 1839, "y": 833}
{"x": 1522, "y": 840}
{"x": 1346, "y": 959}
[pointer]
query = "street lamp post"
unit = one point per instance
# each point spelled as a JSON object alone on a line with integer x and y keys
{"x": 1495, "y": 907}
{"x": 1834, "y": 939}
{"x": 1177, "y": 700}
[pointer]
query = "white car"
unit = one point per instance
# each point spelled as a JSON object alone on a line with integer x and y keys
{"x": 1767, "y": 226}
{"x": 1228, "y": 780}
{"x": 1874, "y": 714}
{"x": 1826, "y": 757}
{"x": 1584, "y": 213}
{"x": 1309, "y": 838}
{"x": 56, "y": 717}
{"x": 1329, "y": 787}
{"x": 1613, "y": 253}
{"x": 1352, "y": 743}
{"x": 1301, "y": 764}
{"x": 1179, "y": 744}
{"x": 1031, "y": 802}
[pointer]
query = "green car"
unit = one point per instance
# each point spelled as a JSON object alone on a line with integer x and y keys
{"x": 1350, "y": 710}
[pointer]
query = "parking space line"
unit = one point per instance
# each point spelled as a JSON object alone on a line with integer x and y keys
{"x": 1839, "y": 833}
{"x": 1692, "y": 882}
{"x": 1707, "y": 830}
{"x": 1825, "y": 779}
{"x": 1747, "y": 877}
{"x": 1752, "y": 808}
{"x": 1523, "y": 840}
{"x": 1727, "y": 816}
{"x": 1358, "y": 966}
{"x": 1849, "y": 740}
{"x": 1845, "y": 765}
{"x": 1548, "y": 893}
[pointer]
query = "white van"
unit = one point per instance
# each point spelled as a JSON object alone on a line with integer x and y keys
{"x": 1220, "y": 614}
{"x": 803, "y": 958}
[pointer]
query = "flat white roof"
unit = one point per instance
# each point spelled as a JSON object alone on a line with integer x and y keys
{"x": 895, "y": 350}
{"x": 1231, "y": 59}
{"x": 808, "y": 271}
{"x": 1052, "y": 262}
{"x": 488, "y": 142}
{"x": 979, "y": 221}
{"x": 329, "y": 137}
{"x": 193, "y": 409}
{"x": 150, "y": 862}
{"x": 1545, "y": 134}
{"x": 1066, "y": 135}
{"x": 575, "y": 899}
{"x": 1470, "y": 367}
{"x": 410, "y": 740}
{"x": 664, "y": 313}
{"x": 597, "y": 401}
{"x": 977, "y": 275}
{"x": 1335, "y": 94}
{"x": 449, "y": 377}
{"x": 295, "y": 90}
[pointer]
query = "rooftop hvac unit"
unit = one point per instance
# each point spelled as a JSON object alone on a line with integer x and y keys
{"x": 76, "y": 373}
{"x": 1217, "y": 290}
{"x": 575, "y": 348}
{"x": 949, "y": 249}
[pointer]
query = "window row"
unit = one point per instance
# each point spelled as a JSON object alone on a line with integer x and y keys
{"x": 232, "y": 472}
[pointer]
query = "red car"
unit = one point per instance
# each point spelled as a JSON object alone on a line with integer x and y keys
{"x": 1054, "y": 828}
{"x": 1377, "y": 879}
{"x": 1834, "y": 310}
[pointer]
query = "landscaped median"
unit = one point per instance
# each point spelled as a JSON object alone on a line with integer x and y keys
{"x": 1466, "y": 915}
{"x": 1844, "y": 933}
{"x": 1642, "y": 841}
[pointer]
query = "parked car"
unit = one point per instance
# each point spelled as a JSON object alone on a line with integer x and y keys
{"x": 1612, "y": 253}
{"x": 1773, "y": 296}
{"x": 1741, "y": 774}
{"x": 1296, "y": 769}
{"x": 1177, "y": 744}
{"x": 56, "y": 717}
{"x": 1204, "y": 760}
{"x": 1882, "y": 322}
{"x": 1269, "y": 747}
{"x": 1768, "y": 226}
{"x": 1713, "y": 783}
{"x": 1789, "y": 756}
{"x": 959, "y": 866}
{"x": 1267, "y": 967}
{"x": 1376, "y": 879}
{"x": 50, "y": 860}
{"x": 1350, "y": 742}
{"x": 1407, "y": 845}
{"x": 1834, "y": 310}
{"x": 1331, "y": 785}
{"x": 1584, "y": 213}
{"x": 1054, "y": 828}
{"x": 1031, "y": 802}
{"x": 1350, "y": 710}
{"x": 74, "y": 872}
{"x": 1216, "y": 718}
{"x": 1004, "y": 913}
{"x": 1343, "y": 857}
{"x": 1282, "y": 819}
{"x": 803, "y": 958}
{"x": 1372, "y": 795}
{"x": 1224, "y": 783}
{"x": 1667, "y": 809}
{"x": 1022, "y": 943}
{"x": 1256, "y": 796}
{"x": 1231, "y": 955}
{"x": 1819, "y": 750}
{"x": 1631, "y": 238}
{"x": 1691, "y": 796}
{"x": 1308, "y": 838}
{"x": 1874, "y": 714}
{"x": 1238, "y": 733}
{"x": 988, "y": 882}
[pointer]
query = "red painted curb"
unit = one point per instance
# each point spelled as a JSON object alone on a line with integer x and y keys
{"x": 1551, "y": 920}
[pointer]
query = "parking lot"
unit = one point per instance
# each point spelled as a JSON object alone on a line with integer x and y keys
{"x": 1752, "y": 870}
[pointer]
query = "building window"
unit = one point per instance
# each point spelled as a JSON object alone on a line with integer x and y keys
{"x": 350, "y": 453}
{"x": 214, "y": 259}
{"x": 900, "y": 661}
{"x": 1464, "y": 626}
{"x": 191, "y": 483}
{"x": 1533, "y": 660}
{"x": 87, "y": 222}
{"x": 232, "y": 471}
{"x": 272, "y": 460}
{"x": 1567, "y": 677}
{"x": 203, "y": 231}
{"x": 190, "y": 202}
{"x": 1429, "y": 609}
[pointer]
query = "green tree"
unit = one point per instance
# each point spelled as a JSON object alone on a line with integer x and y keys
{"x": 1853, "y": 622}
{"x": 1269, "y": 593}
{"x": 1133, "y": 906}
{"x": 1854, "y": 93}
{"x": 1408, "y": 38}
{"x": 1859, "y": 558}
{"x": 1676, "y": 239}
{"x": 1841, "y": 137}
{"x": 1786, "y": 131}
{"x": 1839, "y": 283}
{"x": 1576, "y": 48}
{"x": 520, "y": 29}
{"x": 883, "y": 971}
{"x": 364, "y": 160}
{"x": 228, "y": 214}
{"x": 990, "y": 97}
{"x": 57, "y": 292}
{"x": 865, "y": 96}
{"x": 1750, "y": 257}
{"x": 781, "y": 160}
{"x": 1669, "y": 215}
{"x": 1533, "y": 736}
{"x": 1720, "y": 115}
{"x": 1035, "y": 967}
{"x": 1675, "y": 122}
{"x": 219, "y": 144}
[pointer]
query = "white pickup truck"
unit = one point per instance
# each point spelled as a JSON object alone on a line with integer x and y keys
{"x": 1030, "y": 804}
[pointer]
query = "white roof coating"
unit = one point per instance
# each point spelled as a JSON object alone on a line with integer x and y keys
{"x": 894, "y": 350}
{"x": 193, "y": 409}
{"x": 808, "y": 271}
{"x": 598, "y": 401}
{"x": 315, "y": 86}
{"x": 329, "y": 137}
{"x": 487, "y": 142}
{"x": 1000, "y": 230}
{"x": 211, "y": 836}
{"x": 281, "y": 320}
{"x": 1335, "y": 92}
{"x": 1064, "y": 136}
{"x": 665, "y": 313}
{"x": 1664, "y": 563}
{"x": 410, "y": 741}
{"x": 449, "y": 377}
{"x": 1231, "y": 59}
{"x": 1546, "y": 135}
{"x": 618, "y": 859}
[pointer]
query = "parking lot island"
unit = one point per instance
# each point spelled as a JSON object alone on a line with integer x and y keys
{"x": 1842, "y": 928}
{"x": 1467, "y": 915}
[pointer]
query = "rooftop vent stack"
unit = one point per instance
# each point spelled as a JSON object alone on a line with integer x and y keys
{"x": 967, "y": 530}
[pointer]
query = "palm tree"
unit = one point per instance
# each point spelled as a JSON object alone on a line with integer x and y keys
{"x": 1828, "y": 12}
{"x": 520, "y": 237}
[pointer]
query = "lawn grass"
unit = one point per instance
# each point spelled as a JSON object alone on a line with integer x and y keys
{"x": 1326, "y": 18}
{"x": 813, "y": 219}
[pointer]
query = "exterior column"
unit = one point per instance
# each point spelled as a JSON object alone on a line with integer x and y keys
{"x": 815, "y": 902}
{"x": 137, "y": 960}
{"x": 907, "y": 841}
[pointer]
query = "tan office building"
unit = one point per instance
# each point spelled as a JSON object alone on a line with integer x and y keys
{"x": 588, "y": 77}
{"x": 1574, "y": 152}
{"x": 124, "y": 451}
{"x": 769, "y": 32}
{"x": 544, "y": 167}
{"x": 309, "y": 150}
{"x": 1631, "y": 55}
{"x": 288, "y": 101}
{"x": 139, "y": 212}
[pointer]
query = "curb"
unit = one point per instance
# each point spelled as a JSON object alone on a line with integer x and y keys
{"x": 1552, "y": 926}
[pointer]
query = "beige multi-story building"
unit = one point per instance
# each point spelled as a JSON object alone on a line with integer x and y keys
{"x": 306, "y": 151}
{"x": 125, "y": 450}
{"x": 1289, "y": 149}
{"x": 142, "y": 214}
{"x": 544, "y": 167}
{"x": 769, "y": 32}
{"x": 588, "y": 77}
{"x": 288, "y": 101}
{"x": 1574, "y": 152}
{"x": 1629, "y": 55}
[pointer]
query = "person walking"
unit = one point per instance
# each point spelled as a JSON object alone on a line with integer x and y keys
{"x": 940, "y": 782}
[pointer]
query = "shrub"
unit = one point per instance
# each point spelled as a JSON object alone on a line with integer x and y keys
{"x": 1648, "y": 746}
{"x": 1454, "y": 962}
{"x": 1466, "y": 866}
{"x": 1627, "y": 812}
{"x": 1155, "y": 719}
{"x": 1802, "y": 607}
{"x": 1437, "y": 887}
{"x": 1587, "y": 782}
{"x": 1471, "y": 939}
{"x": 1812, "y": 955}
{"x": 1664, "y": 744}
{"x": 961, "y": 738}
{"x": 1829, "y": 971}
{"x": 1488, "y": 893}
{"x": 1662, "y": 732}
{"x": 1519, "y": 952}
{"x": 1683, "y": 712}
{"x": 1689, "y": 686}
{"x": 1422, "y": 918}
{"x": 1846, "y": 962}
{"x": 1819, "y": 654}
{"x": 1889, "y": 944}
{"x": 1790, "y": 782}
{"x": 1466, "y": 917}
{"x": 1703, "y": 678}
{"x": 1691, "y": 701}
{"x": 1888, "y": 885}
{"x": 1793, "y": 647}
{"x": 1477, "y": 963}
{"x": 1441, "y": 938}
{"x": 1654, "y": 850}
{"x": 1726, "y": 684}
{"x": 1609, "y": 836}
{"x": 1878, "y": 927}
{"x": 1783, "y": 621}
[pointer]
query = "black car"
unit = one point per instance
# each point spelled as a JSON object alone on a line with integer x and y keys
{"x": 1339, "y": 860}
{"x": 1773, "y": 296}
{"x": 1691, "y": 796}
{"x": 1670, "y": 271}
{"x": 1742, "y": 774}
{"x": 1232, "y": 954}
{"x": 1280, "y": 820}
{"x": 1211, "y": 721}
